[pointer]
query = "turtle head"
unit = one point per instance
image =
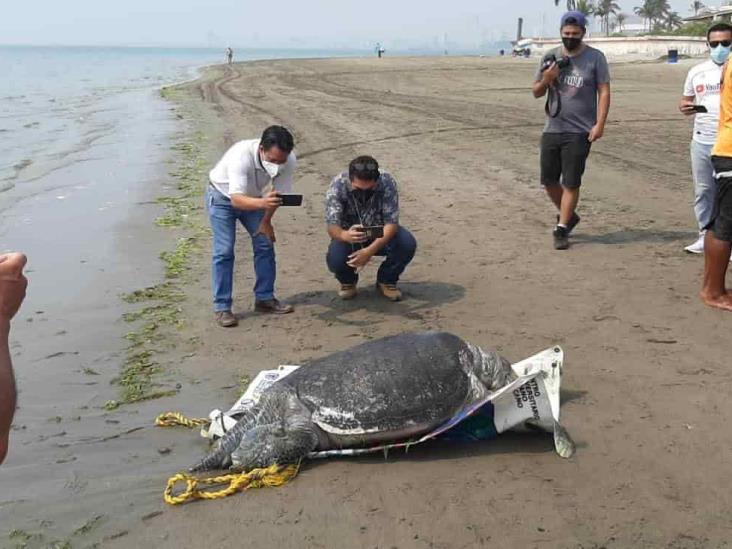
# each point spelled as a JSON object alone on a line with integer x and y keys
{"x": 493, "y": 370}
{"x": 284, "y": 434}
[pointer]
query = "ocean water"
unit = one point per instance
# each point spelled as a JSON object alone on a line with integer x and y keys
{"x": 56, "y": 103}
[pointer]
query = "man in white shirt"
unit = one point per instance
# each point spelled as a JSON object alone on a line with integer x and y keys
{"x": 701, "y": 90}
{"x": 235, "y": 192}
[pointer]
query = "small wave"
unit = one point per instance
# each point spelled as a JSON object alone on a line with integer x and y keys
{"x": 12, "y": 97}
{"x": 23, "y": 164}
{"x": 32, "y": 125}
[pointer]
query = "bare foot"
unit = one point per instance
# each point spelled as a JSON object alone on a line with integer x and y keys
{"x": 723, "y": 301}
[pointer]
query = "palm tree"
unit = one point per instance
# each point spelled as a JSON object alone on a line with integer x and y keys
{"x": 673, "y": 20}
{"x": 619, "y": 20}
{"x": 653, "y": 11}
{"x": 696, "y": 5}
{"x": 571, "y": 4}
{"x": 585, "y": 6}
{"x": 603, "y": 11}
{"x": 644, "y": 12}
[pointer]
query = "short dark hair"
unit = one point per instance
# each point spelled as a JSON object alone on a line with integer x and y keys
{"x": 365, "y": 168}
{"x": 719, "y": 27}
{"x": 278, "y": 136}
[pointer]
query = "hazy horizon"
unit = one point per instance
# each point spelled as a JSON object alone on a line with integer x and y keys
{"x": 320, "y": 24}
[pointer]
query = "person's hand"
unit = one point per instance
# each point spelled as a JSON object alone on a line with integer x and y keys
{"x": 687, "y": 107}
{"x": 359, "y": 258}
{"x": 550, "y": 74}
{"x": 12, "y": 284}
{"x": 272, "y": 201}
{"x": 266, "y": 228}
{"x": 595, "y": 133}
{"x": 354, "y": 235}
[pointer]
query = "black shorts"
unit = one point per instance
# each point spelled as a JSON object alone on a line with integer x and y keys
{"x": 721, "y": 223}
{"x": 564, "y": 155}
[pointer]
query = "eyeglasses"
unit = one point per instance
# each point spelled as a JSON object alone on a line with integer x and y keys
{"x": 715, "y": 43}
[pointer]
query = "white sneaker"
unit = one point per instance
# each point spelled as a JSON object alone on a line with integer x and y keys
{"x": 697, "y": 247}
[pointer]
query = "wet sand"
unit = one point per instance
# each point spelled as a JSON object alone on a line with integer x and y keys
{"x": 645, "y": 388}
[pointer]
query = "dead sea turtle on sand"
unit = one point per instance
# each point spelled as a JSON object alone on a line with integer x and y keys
{"x": 386, "y": 390}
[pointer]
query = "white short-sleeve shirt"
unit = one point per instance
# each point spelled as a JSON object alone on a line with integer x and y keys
{"x": 703, "y": 83}
{"x": 240, "y": 171}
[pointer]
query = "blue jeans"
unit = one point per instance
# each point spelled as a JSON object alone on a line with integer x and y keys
{"x": 223, "y": 217}
{"x": 399, "y": 252}
{"x": 705, "y": 187}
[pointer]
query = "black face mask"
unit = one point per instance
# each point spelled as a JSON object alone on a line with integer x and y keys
{"x": 363, "y": 195}
{"x": 571, "y": 43}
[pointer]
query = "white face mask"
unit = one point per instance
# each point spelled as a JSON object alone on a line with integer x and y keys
{"x": 271, "y": 168}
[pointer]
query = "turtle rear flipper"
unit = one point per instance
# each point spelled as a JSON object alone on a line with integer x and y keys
{"x": 563, "y": 443}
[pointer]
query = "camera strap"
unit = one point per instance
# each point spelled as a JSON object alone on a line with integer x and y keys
{"x": 553, "y": 105}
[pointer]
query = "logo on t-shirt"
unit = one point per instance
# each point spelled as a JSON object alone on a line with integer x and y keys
{"x": 571, "y": 83}
{"x": 700, "y": 88}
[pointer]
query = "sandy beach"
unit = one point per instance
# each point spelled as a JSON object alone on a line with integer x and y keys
{"x": 645, "y": 386}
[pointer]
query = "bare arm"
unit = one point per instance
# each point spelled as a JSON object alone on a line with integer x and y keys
{"x": 603, "y": 103}
{"x": 390, "y": 231}
{"x": 685, "y": 104}
{"x": 603, "y": 107}
{"x": 547, "y": 79}
{"x": 7, "y": 389}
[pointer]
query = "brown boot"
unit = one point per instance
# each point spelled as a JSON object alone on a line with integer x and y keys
{"x": 347, "y": 291}
{"x": 225, "y": 319}
{"x": 389, "y": 291}
{"x": 273, "y": 306}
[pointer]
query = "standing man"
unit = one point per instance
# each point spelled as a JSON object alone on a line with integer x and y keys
{"x": 577, "y": 78}
{"x": 718, "y": 238}
{"x": 702, "y": 88}
{"x": 12, "y": 293}
{"x": 235, "y": 192}
{"x": 365, "y": 197}
{"x": 229, "y": 55}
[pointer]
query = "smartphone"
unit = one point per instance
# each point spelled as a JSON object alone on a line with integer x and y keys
{"x": 291, "y": 199}
{"x": 373, "y": 232}
{"x": 699, "y": 108}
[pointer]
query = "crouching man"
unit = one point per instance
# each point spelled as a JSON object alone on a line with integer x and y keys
{"x": 362, "y": 213}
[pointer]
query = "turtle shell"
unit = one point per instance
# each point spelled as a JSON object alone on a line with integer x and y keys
{"x": 412, "y": 381}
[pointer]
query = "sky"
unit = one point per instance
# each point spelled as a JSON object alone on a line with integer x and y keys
{"x": 347, "y": 24}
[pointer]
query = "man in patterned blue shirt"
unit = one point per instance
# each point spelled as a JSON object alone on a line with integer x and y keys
{"x": 366, "y": 197}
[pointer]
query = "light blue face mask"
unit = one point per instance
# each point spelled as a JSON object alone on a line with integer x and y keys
{"x": 720, "y": 54}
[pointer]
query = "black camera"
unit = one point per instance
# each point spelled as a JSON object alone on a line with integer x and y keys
{"x": 562, "y": 62}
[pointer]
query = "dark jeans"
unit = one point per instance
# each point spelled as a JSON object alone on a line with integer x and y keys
{"x": 399, "y": 252}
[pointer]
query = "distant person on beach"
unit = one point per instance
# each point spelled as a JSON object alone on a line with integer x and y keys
{"x": 380, "y": 50}
{"x": 12, "y": 293}
{"x": 702, "y": 88}
{"x": 577, "y": 79}
{"x": 718, "y": 237}
{"x": 229, "y": 56}
{"x": 235, "y": 192}
{"x": 362, "y": 214}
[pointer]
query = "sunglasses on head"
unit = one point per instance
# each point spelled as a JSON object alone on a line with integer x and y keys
{"x": 715, "y": 43}
{"x": 360, "y": 166}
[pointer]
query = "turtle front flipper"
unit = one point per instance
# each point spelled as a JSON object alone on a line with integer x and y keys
{"x": 563, "y": 443}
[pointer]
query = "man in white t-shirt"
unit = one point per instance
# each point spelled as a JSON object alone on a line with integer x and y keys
{"x": 235, "y": 193}
{"x": 701, "y": 90}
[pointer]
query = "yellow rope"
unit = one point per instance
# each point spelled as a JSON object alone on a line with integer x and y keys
{"x": 172, "y": 419}
{"x": 274, "y": 475}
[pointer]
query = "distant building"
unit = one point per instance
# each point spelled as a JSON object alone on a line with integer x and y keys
{"x": 712, "y": 14}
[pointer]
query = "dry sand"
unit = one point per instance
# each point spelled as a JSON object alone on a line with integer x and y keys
{"x": 645, "y": 387}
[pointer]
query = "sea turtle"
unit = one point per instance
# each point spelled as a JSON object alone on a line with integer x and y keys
{"x": 386, "y": 390}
